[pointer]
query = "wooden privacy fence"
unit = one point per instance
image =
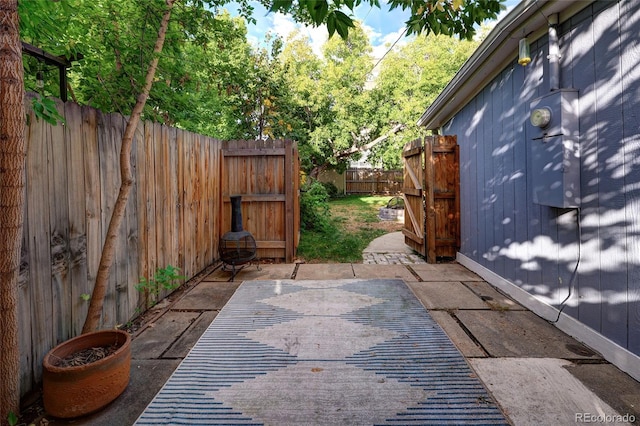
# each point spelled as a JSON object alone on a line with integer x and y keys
{"x": 174, "y": 217}
{"x": 371, "y": 181}
{"x": 432, "y": 196}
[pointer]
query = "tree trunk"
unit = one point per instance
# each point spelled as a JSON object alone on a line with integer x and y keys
{"x": 315, "y": 172}
{"x": 12, "y": 182}
{"x": 108, "y": 251}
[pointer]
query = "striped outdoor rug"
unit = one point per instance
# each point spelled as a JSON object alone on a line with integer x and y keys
{"x": 346, "y": 352}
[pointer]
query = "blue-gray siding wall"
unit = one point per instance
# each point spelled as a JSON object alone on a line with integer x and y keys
{"x": 536, "y": 247}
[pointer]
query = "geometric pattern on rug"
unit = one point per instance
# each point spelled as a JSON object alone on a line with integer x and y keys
{"x": 339, "y": 352}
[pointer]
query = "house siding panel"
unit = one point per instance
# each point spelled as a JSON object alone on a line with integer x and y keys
{"x": 608, "y": 110}
{"x": 538, "y": 247}
{"x": 508, "y": 221}
{"x": 631, "y": 139}
{"x": 583, "y": 64}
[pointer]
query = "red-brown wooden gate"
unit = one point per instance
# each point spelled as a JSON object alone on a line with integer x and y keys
{"x": 432, "y": 196}
{"x": 266, "y": 175}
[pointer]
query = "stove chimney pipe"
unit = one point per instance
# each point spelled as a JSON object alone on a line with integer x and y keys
{"x": 236, "y": 213}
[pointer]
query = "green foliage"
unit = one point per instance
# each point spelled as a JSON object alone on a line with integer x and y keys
{"x": 331, "y": 188}
{"x": 167, "y": 278}
{"x": 45, "y": 109}
{"x": 12, "y": 419}
{"x": 203, "y": 69}
{"x": 330, "y": 98}
{"x": 410, "y": 79}
{"x": 314, "y": 207}
{"x": 210, "y": 80}
{"x": 334, "y": 243}
{"x": 447, "y": 17}
{"x": 85, "y": 296}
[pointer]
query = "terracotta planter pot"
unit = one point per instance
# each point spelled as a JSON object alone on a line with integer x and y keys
{"x": 75, "y": 391}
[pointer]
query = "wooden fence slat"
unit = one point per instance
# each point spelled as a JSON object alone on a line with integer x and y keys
{"x": 150, "y": 196}
{"x": 121, "y": 265}
{"x": 249, "y": 152}
{"x": 77, "y": 216}
{"x": 90, "y": 118}
{"x": 162, "y": 220}
{"x": 37, "y": 226}
{"x": 289, "y": 212}
{"x": 180, "y": 199}
{"x": 142, "y": 188}
{"x": 271, "y": 244}
{"x": 206, "y": 184}
{"x": 200, "y": 214}
{"x": 56, "y": 175}
{"x": 259, "y": 198}
{"x": 430, "y": 208}
{"x": 133, "y": 231}
{"x": 27, "y": 373}
{"x": 215, "y": 201}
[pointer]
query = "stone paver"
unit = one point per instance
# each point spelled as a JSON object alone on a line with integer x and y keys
{"x": 208, "y": 295}
{"x": 521, "y": 334}
{"x": 540, "y": 391}
{"x": 331, "y": 271}
{"x": 493, "y": 297}
{"x": 158, "y": 336}
{"x": 147, "y": 377}
{"x": 277, "y": 271}
{"x": 446, "y": 295}
{"x": 391, "y": 259}
{"x": 445, "y": 272}
{"x": 190, "y": 336}
{"x": 382, "y": 271}
{"x": 621, "y": 393}
{"x": 458, "y": 336}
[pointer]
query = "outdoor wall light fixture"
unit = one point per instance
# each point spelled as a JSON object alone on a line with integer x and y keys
{"x": 39, "y": 79}
{"x": 524, "y": 53}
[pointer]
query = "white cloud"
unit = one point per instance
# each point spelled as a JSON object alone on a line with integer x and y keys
{"x": 283, "y": 25}
{"x": 373, "y": 35}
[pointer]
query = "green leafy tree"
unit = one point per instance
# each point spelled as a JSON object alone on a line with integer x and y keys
{"x": 266, "y": 95}
{"x": 410, "y": 78}
{"x": 332, "y": 106}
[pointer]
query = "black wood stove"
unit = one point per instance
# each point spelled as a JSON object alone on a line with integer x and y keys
{"x": 237, "y": 247}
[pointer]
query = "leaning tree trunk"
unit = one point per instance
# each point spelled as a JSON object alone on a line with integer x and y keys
{"x": 108, "y": 250}
{"x": 12, "y": 181}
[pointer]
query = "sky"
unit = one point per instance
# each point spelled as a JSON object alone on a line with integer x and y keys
{"x": 383, "y": 27}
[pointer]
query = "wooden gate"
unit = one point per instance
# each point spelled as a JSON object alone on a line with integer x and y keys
{"x": 266, "y": 175}
{"x": 432, "y": 196}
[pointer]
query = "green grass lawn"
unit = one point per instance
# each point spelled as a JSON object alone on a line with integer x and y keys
{"x": 354, "y": 224}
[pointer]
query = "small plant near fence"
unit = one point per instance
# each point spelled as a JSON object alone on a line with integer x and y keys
{"x": 167, "y": 278}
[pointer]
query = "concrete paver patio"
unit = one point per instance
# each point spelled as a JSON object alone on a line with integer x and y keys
{"x": 537, "y": 374}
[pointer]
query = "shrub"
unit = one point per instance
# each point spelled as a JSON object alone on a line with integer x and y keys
{"x": 332, "y": 189}
{"x": 314, "y": 207}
